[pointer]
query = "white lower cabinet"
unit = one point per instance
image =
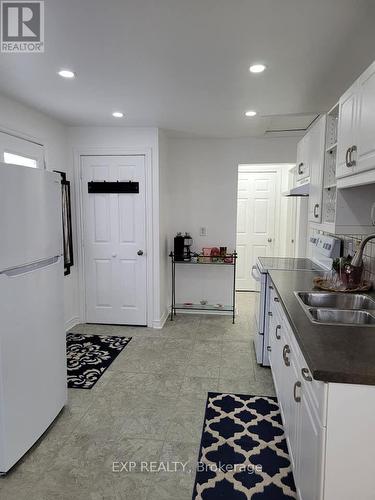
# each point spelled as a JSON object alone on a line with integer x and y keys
{"x": 328, "y": 426}
{"x": 310, "y": 450}
{"x": 303, "y": 423}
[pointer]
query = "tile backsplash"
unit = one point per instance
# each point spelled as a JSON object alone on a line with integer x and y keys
{"x": 351, "y": 243}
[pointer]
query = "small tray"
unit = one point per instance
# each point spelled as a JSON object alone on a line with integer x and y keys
{"x": 324, "y": 284}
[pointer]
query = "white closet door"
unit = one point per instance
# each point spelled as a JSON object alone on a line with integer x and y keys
{"x": 114, "y": 242}
{"x": 255, "y": 223}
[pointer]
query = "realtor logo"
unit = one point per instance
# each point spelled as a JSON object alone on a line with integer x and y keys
{"x": 22, "y": 26}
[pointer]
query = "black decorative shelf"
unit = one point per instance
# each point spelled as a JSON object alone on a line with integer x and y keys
{"x": 209, "y": 260}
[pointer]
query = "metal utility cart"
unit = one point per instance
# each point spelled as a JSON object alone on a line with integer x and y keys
{"x": 203, "y": 260}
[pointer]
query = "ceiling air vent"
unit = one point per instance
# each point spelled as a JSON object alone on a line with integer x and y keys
{"x": 296, "y": 124}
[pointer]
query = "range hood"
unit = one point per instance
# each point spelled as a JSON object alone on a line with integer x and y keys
{"x": 301, "y": 190}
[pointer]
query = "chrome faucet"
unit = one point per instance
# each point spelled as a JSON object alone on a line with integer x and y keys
{"x": 357, "y": 260}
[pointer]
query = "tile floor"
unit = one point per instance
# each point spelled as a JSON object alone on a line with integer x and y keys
{"x": 148, "y": 406}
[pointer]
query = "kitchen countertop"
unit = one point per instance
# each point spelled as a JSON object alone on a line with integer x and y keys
{"x": 342, "y": 354}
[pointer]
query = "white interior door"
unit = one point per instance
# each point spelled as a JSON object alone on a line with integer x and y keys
{"x": 255, "y": 222}
{"x": 114, "y": 231}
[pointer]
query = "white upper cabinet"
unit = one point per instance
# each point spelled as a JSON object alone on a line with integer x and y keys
{"x": 366, "y": 121}
{"x": 347, "y": 131}
{"x": 303, "y": 167}
{"x": 316, "y": 138}
{"x": 356, "y": 138}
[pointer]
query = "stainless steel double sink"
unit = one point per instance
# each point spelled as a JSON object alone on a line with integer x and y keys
{"x": 331, "y": 308}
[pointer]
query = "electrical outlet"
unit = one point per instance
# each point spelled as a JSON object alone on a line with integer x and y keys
{"x": 202, "y": 231}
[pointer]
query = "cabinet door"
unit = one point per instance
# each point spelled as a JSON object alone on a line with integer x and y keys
{"x": 308, "y": 474}
{"x": 346, "y": 130}
{"x": 275, "y": 334}
{"x": 293, "y": 414}
{"x": 365, "y": 157}
{"x": 271, "y": 344}
{"x": 316, "y": 164}
{"x": 302, "y": 159}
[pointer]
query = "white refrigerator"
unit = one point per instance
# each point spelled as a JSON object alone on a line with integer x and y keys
{"x": 33, "y": 387}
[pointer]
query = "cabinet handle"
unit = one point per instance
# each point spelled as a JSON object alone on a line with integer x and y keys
{"x": 316, "y": 208}
{"x": 278, "y": 336}
{"x": 352, "y": 163}
{"x": 270, "y": 313}
{"x": 286, "y": 351}
{"x": 297, "y": 385}
{"x": 276, "y": 299}
{"x": 270, "y": 287}
{"x": 269, "y": 348}
{"x": 306, "y": 374}
{"x": 300, "y": 170}
{"x": 347, "y": 158}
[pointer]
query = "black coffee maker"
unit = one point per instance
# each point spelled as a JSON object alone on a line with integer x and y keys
{"x": 182, "y": 246}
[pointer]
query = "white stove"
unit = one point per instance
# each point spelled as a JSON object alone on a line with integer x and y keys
{"x": 324, "y": 249}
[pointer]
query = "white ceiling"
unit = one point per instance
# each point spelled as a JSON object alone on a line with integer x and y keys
{"x": 183, "y": 64}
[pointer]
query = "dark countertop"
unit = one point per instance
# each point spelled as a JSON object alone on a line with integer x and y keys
{"x": 342, "y": 354}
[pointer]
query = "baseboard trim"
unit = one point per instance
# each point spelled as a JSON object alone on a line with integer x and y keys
{"x": 159, "y": 324}
{"x": 72, "y": 322}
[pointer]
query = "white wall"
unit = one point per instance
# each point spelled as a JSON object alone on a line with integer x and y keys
{"x": 197, "y": 180}
{"x": 29, "y": 123}
{"x": 81, "y": 139}
{"x": 202, "y": 183}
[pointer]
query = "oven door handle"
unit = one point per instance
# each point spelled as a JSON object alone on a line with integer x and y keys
{"x": 255, "y": 273}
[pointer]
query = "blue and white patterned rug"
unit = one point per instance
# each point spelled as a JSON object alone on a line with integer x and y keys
{"x": 88, "y": 357}
{"x": 243, "y": 452}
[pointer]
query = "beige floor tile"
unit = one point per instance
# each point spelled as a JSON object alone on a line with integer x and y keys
{"x": 187, "y": 421}
{"x": 198, "y": 386}
{"x": 149, "y": 404}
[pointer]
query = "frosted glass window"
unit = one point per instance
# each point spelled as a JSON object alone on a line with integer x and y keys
{"x": 20, "y": 160}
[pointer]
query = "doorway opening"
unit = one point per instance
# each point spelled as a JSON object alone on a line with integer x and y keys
{"x": 266, "y": 219}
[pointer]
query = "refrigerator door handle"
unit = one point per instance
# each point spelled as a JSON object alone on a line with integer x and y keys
{"x": 35, "y": 266}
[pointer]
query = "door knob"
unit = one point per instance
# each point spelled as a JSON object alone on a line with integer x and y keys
{"x": 140, "y": 252}
{"x": 114, "y": 255}
{"x": 269, "y": 240}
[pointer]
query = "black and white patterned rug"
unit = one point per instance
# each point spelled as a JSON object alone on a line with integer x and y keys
{"x": 88, "y": 357}
{"x": 243, "y": 452}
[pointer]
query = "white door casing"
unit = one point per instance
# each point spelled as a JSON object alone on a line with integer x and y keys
{"x": 255, "y": 222}
{"x": 114, "y": 230}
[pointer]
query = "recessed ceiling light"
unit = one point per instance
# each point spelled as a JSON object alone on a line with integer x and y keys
{"x": 67, "y": 73}
{"x": 257, "y": 68}
{"x": 250, "y": 113}
{"x": 117, "y": 114}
